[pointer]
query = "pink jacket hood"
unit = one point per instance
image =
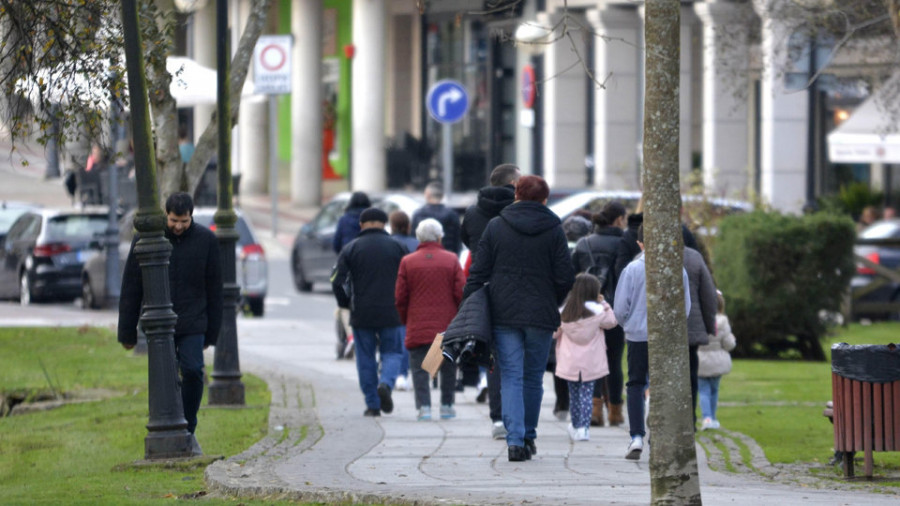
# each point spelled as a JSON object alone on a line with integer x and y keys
{"x": 581, "y": 347}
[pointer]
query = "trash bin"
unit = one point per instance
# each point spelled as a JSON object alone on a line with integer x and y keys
{"x": 866, "y": 395}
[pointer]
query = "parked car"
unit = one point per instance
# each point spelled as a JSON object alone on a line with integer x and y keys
{"x": 10, "y": 211}
{"x": 885, "y": 255}
{"x": 252, "y": 270}
{"x": 313, "y": 256}
{"x": 93, "y": 274}
{"x": 43, "y": 254}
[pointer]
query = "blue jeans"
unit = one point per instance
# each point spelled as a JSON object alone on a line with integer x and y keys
{"x": 389, "y": 342}
{"x": 638, "y": 370}
{"x": 709, "y": 396}
{"x": 189, "y": 353}
{"x": 522, "y": 354}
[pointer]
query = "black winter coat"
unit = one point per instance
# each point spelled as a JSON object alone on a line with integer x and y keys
{"x": 491, "y": 200}
{"x": 602, "y": 248}
{"x": 195, "y": 285}
{"x": 447, "y": 218}
{"x": 370, "y": 264}
{"x": 628, "y": 246}
{"x": 524, "y": 255}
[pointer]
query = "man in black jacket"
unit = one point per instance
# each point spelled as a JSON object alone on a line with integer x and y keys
{"x": 363, "y": 281}
{"x": 195, "y": 283}
{"x": 491, "y": 200}
{"x": 433, "y": 208}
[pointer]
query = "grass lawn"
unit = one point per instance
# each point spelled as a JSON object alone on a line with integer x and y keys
{"x": 83, "y": 453}
{"x": 779, "y": 403}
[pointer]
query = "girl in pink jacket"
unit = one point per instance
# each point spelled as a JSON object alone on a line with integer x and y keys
{"x": 581, "y": 349}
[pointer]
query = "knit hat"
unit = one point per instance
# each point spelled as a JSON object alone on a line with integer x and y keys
{"x": 373, "y": 214}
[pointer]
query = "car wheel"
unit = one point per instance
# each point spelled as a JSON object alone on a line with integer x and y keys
{"x": 299, "y": 279}
{"x": 25, "y": 297}
{"x": 88, "y": 301}
{"x": 257, "y": 306}
{"x": 341, "y": 337}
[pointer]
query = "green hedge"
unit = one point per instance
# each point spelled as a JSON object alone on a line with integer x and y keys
{"x": 777, "y": 274}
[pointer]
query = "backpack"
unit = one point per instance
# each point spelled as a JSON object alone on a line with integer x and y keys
{"x": 602, "y": 267}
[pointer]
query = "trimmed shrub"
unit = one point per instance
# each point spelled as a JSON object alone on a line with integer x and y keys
{"x": 777, "y": 273}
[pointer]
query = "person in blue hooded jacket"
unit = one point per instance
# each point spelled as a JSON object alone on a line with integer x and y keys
{"x": 348, "y": 224}
{"x": 523, "y": 256}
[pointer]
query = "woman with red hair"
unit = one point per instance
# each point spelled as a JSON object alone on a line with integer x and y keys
{"x": 523, "y": 256}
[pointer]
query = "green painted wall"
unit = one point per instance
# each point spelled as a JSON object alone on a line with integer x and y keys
{"x": 344, "y": 37}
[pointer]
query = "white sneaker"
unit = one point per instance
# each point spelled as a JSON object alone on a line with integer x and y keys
{"x": 573, "y": 432}
{"x": 716, "y": 425}
{"x": 582, "y": 434}
{"x": 707, "y": 424}
{"x": 578, "y": 434}
{"x": 401, "y": 384}
{"x": 635, "y": 448}
{"x": 498, "y": 431}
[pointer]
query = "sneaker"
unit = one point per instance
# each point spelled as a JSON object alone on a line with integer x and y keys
{"x": 447, "y": 412}
{"x": 372, "y": 412}
{"x": 707, "y": 424}
{"x": 482, "y": 390}
{"x": 498, "y": 431}
{"x": 573, "y": 432}
{"x": 582, "y": 434}
{"x": 716, "y": 425}
{"x": 384, "y": 394}
{"x": 635, "y": 448}
{"x": 401, "y": 384}
{"x": 424, "y": 414}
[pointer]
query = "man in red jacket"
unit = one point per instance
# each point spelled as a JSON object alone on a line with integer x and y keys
{"x": 428, "y": 292}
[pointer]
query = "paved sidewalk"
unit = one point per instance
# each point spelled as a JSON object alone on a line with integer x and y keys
{"x": 321, "y": 448}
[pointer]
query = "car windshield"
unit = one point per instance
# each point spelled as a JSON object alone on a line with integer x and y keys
{"x": 881, "y": 230}
{"x": 76, "y": 226}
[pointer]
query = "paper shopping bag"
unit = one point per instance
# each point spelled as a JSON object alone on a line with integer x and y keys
{"x": 434, "y": 358}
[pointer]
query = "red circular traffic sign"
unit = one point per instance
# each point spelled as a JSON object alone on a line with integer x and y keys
{"x": 529, "y": 85}
{"x": 272, "y": 57}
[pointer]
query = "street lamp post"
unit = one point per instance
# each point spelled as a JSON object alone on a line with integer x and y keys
{"x": 168, "y": 436}
{"x": 226, "y": 387}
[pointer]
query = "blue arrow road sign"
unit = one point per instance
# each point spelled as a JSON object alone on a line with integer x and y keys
{"x": 447, "y": 101}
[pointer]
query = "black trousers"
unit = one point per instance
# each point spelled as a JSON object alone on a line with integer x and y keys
{"x": 612, "y": 384}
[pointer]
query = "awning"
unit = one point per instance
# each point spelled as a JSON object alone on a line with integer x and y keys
{"x": 192, "y": 84}
{"x": 871, "y": 134}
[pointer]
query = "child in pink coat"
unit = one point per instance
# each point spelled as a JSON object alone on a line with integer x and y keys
{"x": 581, "y": 349}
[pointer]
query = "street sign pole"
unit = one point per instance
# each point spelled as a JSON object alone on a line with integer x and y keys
{"x": 273, "y": 161}
{"x": 272, "y": 76}
{"x": 447, "y": 152}
{"x": 447, "y": 103}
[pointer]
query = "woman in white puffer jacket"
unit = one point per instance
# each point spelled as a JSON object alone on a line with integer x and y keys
{"x": 714, "y": 362}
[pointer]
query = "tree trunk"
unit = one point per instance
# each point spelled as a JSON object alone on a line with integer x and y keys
{"x": 673, "y": 459}
{"x": 240, "y": 63}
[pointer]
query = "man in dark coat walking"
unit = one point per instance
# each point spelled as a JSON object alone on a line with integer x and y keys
{"x": 433, "y": 208}
{"x": 195, "y": 282}
{"x": 363, "y": 281}
{"x": 491, "y": 200}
